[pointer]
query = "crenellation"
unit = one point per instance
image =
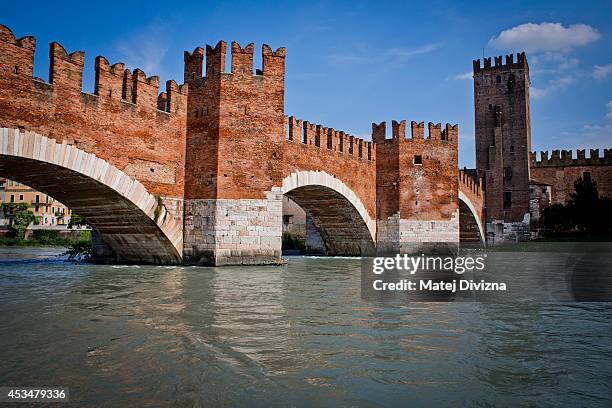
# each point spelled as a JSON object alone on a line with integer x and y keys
{"x": 193, "y": 64}
{"x": 521, "y": 63}
{"x": 108, "y": 79}
{"x": 144, "y": 89}
{"x": 435, "y": 131}
{"x": 162, "y": 101}
{"x": 450, "y": 133}
{"x": 563, "y": 158}
{"x": 215, "y": 59}
{"x": 65, "y": 70}
{"x": 273, "y": 61}
{"x": 242, "y": 60}
{"x": 418, "y": 130}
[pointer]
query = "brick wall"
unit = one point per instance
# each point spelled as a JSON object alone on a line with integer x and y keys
{"x": 503, "y": 134}
{"x": 120, "y": 122}
{"x": 562, "y": 169}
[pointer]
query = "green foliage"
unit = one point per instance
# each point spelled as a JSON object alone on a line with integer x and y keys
{"x": 76, "y": 220}
{"x": 80, "y": 250}
{"x": 584, "y": 213}
{"x": 47, "y": 237}
{"x": 20, "y": 216}
{"x": 293, "y": 242}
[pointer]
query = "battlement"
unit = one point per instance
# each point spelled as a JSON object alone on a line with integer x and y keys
{"x": 66, "y": 74}
{"x": 470, "y": 182}
{"x": 563, "y": 158}
{"x": 242, "y": 61}
{"x": 521, "y": 62}
{"x": 435, "y": 132}
{"x": 321, "y": 137}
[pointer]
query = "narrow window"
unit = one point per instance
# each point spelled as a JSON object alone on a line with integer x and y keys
{"x": 586, "y": 176}
{"x": 508, "y": 173}
{"x": 498, "y": 79}
{"x": 511, "y": 149}
{"x": 12, "y": 198}
{"x": 507, "y": 199}
{"x": 15, "y": 70}
{"x": 418, "y": 159}
{"x": 20, "y": 197}
{"x": 245, "y": 110}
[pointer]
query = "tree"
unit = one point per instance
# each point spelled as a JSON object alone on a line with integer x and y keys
{"x": 584, "y": 205}
{"x": 20, "y": 218}
{"x": 584, "y": 212}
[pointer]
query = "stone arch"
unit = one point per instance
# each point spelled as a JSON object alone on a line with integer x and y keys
{"x": 337, "y": 212}
{"x": 132, "y": 221}
{"x": 463, "y": 199}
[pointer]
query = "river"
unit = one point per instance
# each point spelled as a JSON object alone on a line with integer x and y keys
{"x": 297, "y": 335}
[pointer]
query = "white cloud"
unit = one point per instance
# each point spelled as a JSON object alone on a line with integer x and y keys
{"x": 409, "y": 52}
{"x": 552, "y": 85}
{"x": 388, "y": 56}
{"x": 145, "y": 49}
{"x": 602, "y": 71}
{"x": 542, "y": 37}
{"x": 569, "y": 64}
{"x": 464, "y": 76}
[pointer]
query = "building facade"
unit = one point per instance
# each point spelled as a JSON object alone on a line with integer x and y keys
{"x": 47, "y": 210}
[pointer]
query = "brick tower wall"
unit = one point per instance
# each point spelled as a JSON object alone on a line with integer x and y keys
{"x": 503, "y": 135}
{"x": 417, "y": 188}
{"x": 235, "y": 133}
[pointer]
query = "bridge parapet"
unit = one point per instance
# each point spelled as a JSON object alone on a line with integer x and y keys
{"x": 321, "y": 137}
{"x": 124, "y": 121}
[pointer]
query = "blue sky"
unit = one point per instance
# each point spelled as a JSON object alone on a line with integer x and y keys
{"x": 353, "y": 63}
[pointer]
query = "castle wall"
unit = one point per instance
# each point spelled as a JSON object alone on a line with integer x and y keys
{"x": 560, "y": 171}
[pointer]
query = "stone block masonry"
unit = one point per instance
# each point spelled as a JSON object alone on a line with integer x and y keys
{"x": 230, "y": 232}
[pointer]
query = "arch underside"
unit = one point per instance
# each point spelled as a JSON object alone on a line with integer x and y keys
{"x": 470, "y": 228}
{"x": 341, "y": 227}
{"x": 131, "y": 234}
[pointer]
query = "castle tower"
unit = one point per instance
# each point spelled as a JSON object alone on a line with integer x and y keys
{"x": 416, "y": 188}
{"x": 235, "y": 132}
{"x": 503, "y": 138}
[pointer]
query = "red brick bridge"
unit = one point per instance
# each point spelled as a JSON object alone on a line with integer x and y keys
{"x": 196, "y": 174}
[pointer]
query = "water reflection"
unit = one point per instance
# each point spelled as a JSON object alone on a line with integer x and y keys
{"x": 298, "y": 335}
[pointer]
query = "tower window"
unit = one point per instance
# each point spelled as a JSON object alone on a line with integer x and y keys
{"x": 15, "y": 70}
{"x": 511, "y": 149}
{"x": 490, "y": 107}
{"x": 498, "y": 79}
{"x": 507, "y": 199}
{"x": 418, "y": 159}
{"x": 508, "y": 173}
